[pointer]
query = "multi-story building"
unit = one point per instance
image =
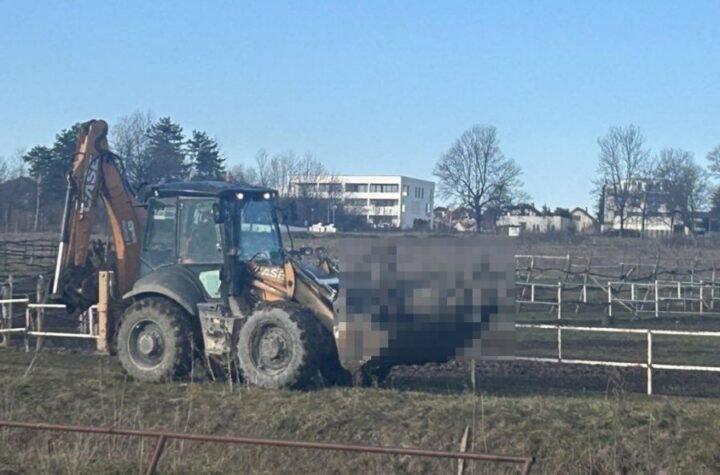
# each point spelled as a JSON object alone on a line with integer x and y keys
{"x": 647, "y": 209}
{"x": 387, "y": 201}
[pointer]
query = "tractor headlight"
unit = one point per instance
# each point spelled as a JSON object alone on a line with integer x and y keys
{"x": 239, "y": 196}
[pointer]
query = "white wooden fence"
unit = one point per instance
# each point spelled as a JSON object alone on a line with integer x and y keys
{"x": 649, "y": 297}
{"x": 34, "y": 317}
{"x": 92, "y": 323}
{"x": 648, "y": 364}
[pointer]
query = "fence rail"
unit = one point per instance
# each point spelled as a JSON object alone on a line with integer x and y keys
{"x": 647, "y": 364}
{"x": 26, "y": 255}
{"x": 163, "y": 436}
{"x": 91, "y": 323}
{"x": 34, "y": 317}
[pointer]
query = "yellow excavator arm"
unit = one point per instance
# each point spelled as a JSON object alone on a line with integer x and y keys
{"x": 97, "y": 173}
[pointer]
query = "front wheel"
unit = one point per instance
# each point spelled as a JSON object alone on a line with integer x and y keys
{"x": 154, "y": 340}
{"x": 277, "y": 347}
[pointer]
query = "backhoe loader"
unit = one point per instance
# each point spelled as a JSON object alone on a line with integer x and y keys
{"x": 200, "y": 270}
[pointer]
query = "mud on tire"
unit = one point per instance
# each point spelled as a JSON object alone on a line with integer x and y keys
{"x": 279, "y": 346}
{"x": 154, "y": 341}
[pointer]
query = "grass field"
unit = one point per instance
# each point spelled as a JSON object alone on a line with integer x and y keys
{"x": 574, "y": 419}
{"x": 595, "y": 427}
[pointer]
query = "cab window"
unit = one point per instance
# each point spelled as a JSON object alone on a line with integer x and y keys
{"x": 159, "y": 243}
{"x": 259, "y": 235}
{"x": 199, "y": 239}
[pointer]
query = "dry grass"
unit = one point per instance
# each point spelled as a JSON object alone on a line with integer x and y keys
{"x": 573, "y": 419}
{"x": 569, "y": 428}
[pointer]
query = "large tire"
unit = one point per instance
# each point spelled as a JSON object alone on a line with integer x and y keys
{"x": 154, "y": 341}
{"x": 278, "y": 346}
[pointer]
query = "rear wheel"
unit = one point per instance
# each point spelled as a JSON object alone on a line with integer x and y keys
{"x": 277, "y": 346}
{"x": 154, "y": 340}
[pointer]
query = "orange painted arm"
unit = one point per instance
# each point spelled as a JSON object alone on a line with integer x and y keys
{"x": 96, "y": 176}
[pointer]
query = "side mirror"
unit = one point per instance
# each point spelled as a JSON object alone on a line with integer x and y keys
{"x": 219, "y": 214}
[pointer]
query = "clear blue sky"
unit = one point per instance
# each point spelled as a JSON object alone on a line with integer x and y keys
{"x": 374, "y": 87}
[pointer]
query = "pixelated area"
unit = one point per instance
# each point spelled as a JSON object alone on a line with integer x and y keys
{"x": 416, "y": 300}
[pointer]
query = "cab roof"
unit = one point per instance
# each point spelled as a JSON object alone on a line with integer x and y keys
{"x": 206, "y": 188}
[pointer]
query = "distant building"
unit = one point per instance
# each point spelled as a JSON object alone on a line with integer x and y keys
{"x": 386, "y": 201}
{"x": 525, "y": 218}
{"x": 647, "y": 210}
{"x": 584, "y": 222}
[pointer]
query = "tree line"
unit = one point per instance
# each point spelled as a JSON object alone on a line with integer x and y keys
{"x": 475, "y": 175}
{"x": 33, "y": 181}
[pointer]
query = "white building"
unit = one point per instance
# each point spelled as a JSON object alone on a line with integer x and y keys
{"x": 526, "y": 218}
{"x": 387, "y": 201}
{"x": 584, "y": 221}
{"x": 647, "y": 209}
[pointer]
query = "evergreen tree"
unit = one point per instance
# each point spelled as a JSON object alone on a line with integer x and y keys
{"x": 48, "y": 176}
{"x": 64, "y": 146}
{"x": 51, "y": 165}
{"x": 204, "y": 153}
{"x": 166, "y": 154}
{"x": 39, "y": 160}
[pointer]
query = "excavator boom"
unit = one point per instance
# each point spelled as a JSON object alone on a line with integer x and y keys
{"x": 97, "y": 175}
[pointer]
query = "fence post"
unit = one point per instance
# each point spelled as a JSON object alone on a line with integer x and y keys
{"x": 473, "y": 377}
{"x": 102, "y": 307}
{"x": 649, "y": 362}
{"x": 657, "y": 300}
{"x": 3, "y": 314}
{"x": 559, "y": 297}
{"x": 559, "y": 343}
{"x": 28, "y": 327}
{"x": 712, "y": 289}
{"x": 10, "y": 293}
{"x": 532, "y": 292}
{"x": 40, "y": 312}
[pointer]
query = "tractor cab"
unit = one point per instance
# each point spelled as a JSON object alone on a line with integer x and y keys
{"x": 201, "y": 224}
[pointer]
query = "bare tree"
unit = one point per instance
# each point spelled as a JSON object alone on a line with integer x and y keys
{"x": 283, "y": 167}
{"x": 262, "y": 167}
{"x": 685, "y": 182}
{"x": 244, "y": 174}
{"x": 310, "y": 170}
{"x": 129, "y": 139}
{"x": 714, "y": 158}
{"x": 4, "y": 170}
{"x": 13, "y": 167}
{"x": 624, "y": 160}
{"x": 305, "y": 185}
{"x": 476, "y": 174}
